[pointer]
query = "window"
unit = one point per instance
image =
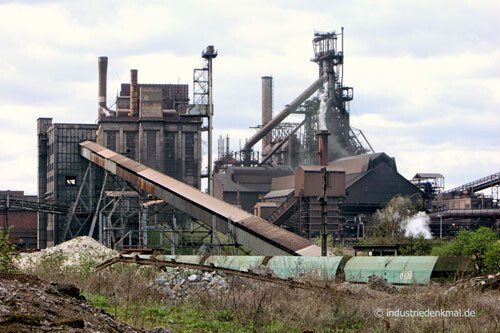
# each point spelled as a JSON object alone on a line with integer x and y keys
{"x": 111, "y": 140}
{"x": 170, "y": 161}
{"x": 70, "y": 180}
{"x": 189, "y": 158}
{"x": 130, "y": 144}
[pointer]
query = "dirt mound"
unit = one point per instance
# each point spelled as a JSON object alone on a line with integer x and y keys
{"x": 73, "y": 253}
{"x": 28, "y": 304}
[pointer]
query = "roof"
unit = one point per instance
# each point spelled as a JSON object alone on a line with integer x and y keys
{"x": 279, "y": 193}
{"x": 228, "y": 185}
{"x": 376, "y": 246}
{"x": 318, "y": 168}
{"x": 383, "y": 181}
{"x": 18, "y": 195}
{"x": 126, "y": 194}
{"x": 363, "y": 163}
{"x": 428, "y": 175}
{"x": 251, "y": 179}
{"x": 353, "y": 178}
{"x": 266, "y": 204}
{"x": 258, "y": 171}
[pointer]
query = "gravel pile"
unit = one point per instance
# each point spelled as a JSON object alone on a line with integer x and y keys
{"x": 378, "y": 283}
{"x": 179, "y": 283}
{"x": 72, "y": 253}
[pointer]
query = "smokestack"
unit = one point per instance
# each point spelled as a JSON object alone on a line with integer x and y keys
{"x": 102, "y": 64}
{"x": 134, "y": 93}
{"x": 267, "y": 108}
{"x": 323, "y": 147}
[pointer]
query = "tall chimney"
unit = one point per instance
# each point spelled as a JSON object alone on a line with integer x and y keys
{"x": 323, "y": 147}
{"x": 102, "y": 64}
{"x": 267, "y": 108}
{"x": 134, "y": 93}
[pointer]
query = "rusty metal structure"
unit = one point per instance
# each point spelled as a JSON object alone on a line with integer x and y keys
{"x": 203, "y": 105}
{"x": 153, "y": 261}
{"x": 298, "y": 203}
{"x": 243, "y": 228}
{"x": 60, "y": 175}
{"x": 323, "y": 138}
{"x": 321, "y": 271}
{"x": 295, "y": 143}
{"x": 148, "y": 124}
{"x": 431, "y": 184}
{"x": 133, "y": 179}
{"x": 466, "y": 207}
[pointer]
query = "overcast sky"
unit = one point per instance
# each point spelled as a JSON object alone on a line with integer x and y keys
{"x": 426, "y": 74}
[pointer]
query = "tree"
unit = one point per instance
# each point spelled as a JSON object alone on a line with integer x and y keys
{"x": 388, "y": 222}
{"x": 492, "y": 258}
{"x": 7, "y": 252}
{"x": 481, "y": 246}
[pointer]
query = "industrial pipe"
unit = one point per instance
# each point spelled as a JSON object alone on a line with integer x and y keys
{"x": 267, "y": 108}
{"x": 467, "y": 213}
{"x": 278, "y": 145}
{"x": 284, "y": 113}
{"x": 134, "y": 93}
{"x": 323, "y": 147}
{"x": 102, "y": 63}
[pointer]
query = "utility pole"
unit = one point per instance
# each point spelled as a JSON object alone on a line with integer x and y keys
{"x": 7, "y": 213}
{"x": 440, "y": 226}
{"x": 324, "y": 217}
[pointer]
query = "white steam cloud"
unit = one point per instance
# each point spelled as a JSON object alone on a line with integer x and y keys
{"x": 323, "y": 98}
{"x": 417, "y": 225}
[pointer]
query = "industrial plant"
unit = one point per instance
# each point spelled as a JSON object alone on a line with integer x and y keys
{"x": 134, "y": 179}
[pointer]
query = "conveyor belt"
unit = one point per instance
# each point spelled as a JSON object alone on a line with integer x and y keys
{"x": 246, "y": 229}
{"x": 478, "y": 185}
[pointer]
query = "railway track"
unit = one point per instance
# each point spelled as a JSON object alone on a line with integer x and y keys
{"x": 325, "y": 286}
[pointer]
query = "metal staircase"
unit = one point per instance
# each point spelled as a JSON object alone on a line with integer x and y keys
{"x": 285, "y": 210}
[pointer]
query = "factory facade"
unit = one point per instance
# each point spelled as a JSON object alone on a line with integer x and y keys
{"x": 320, "y": 169}
{"x": 147, "y": 126}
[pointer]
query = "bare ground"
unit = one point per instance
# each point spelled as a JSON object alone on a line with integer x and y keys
{"x": 29, "y": 304}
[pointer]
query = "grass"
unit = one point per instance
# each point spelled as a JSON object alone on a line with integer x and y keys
{"x": 180, "y": 317}
{"x": 126, "y": 291}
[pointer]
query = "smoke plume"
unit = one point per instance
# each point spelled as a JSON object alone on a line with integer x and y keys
{"x": 323, "y": 98}
{"x": 417, "y": 225}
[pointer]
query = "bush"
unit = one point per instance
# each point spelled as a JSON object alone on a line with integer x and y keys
{"x": 481, "y": 246}
{"x": 492, "y": 258}
{"x": 418, "y": 246}
{"x": 7, "y": 252}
